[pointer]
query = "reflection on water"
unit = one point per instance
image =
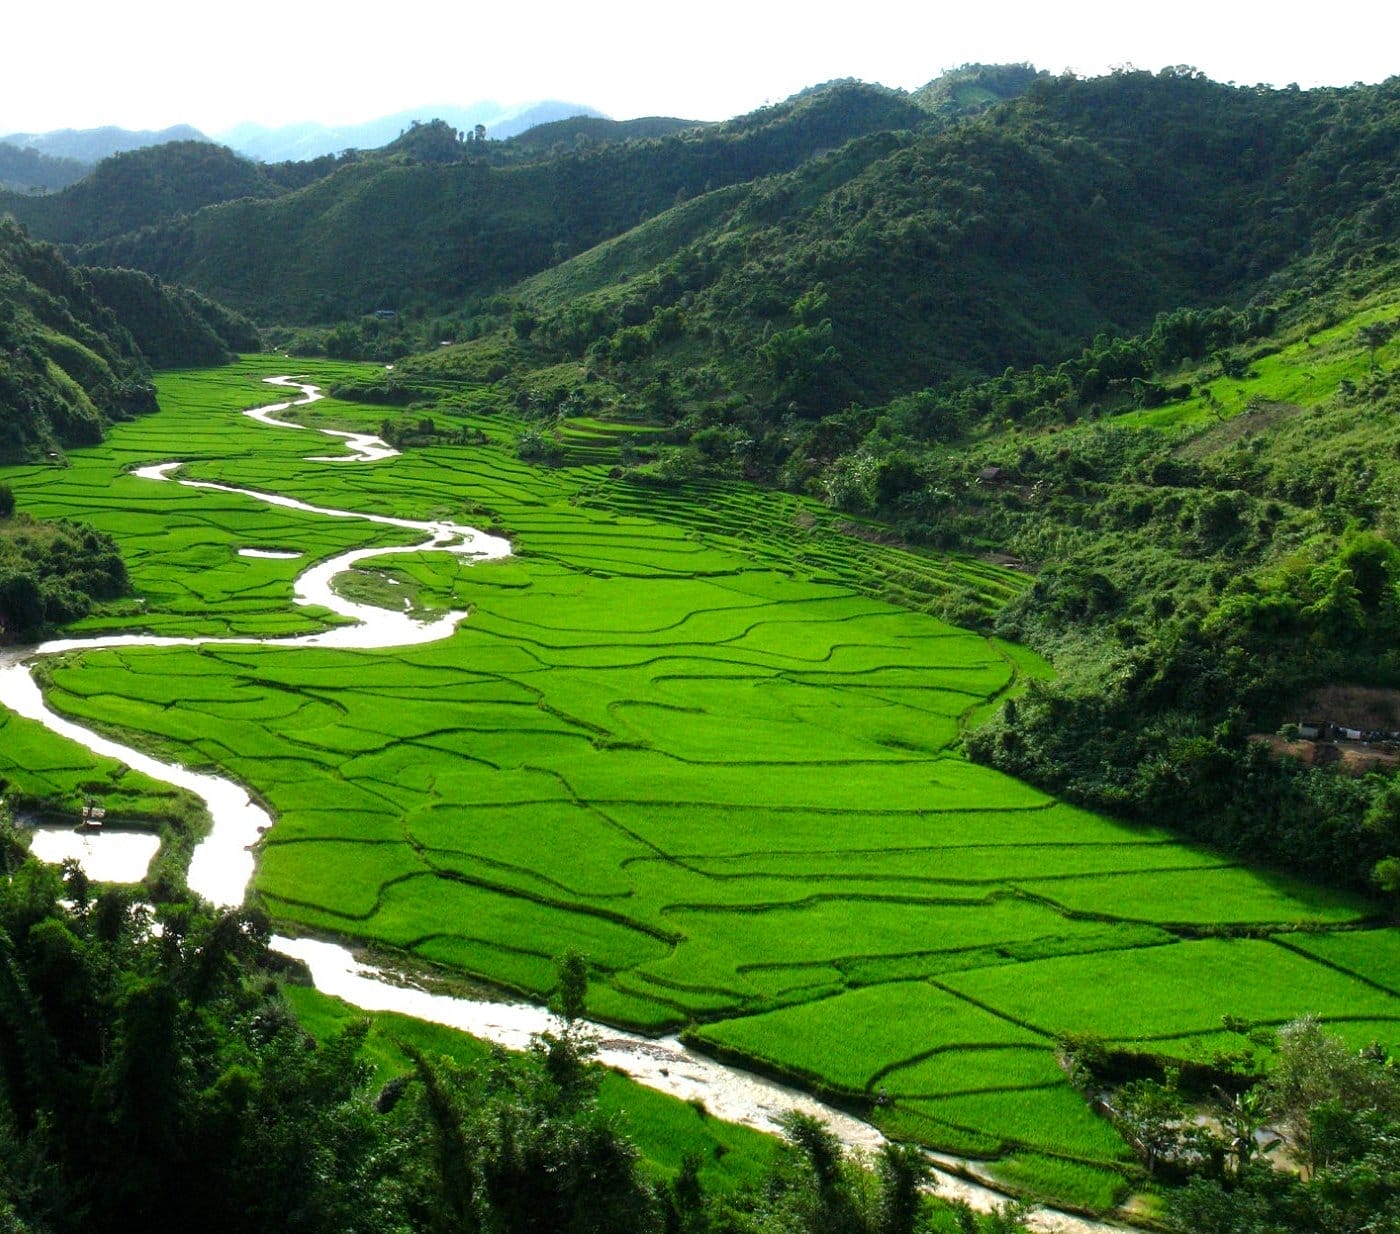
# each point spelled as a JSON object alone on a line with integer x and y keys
{"x": 109, "y": 856}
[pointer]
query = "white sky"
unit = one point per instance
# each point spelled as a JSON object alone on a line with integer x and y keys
{"x": 152, "y": 63}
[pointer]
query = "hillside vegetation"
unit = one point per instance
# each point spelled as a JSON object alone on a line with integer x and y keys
{"x": 906, "y": 260}
{"x": 426, "y": 222}
{"x": 140, "y": 188}
{"x": 76, "y": 345}
{"x": 28, "y": 171}
{"x": 66, "y": 363}
{"x": 1207, "y": 510}
{"x": 805, "y": 427}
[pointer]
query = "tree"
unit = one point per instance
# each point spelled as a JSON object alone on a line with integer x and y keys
{"x": 1374, "y": 336}
{"x": 1155, "y": 1119}
{"x": 571, "y": 996}
{"x": 903, "y": 1170}
{"x": 21, "y": 602}
{"x": 1315, "y": 1068}
{"x": 1386, "y": 876}
{"x": 1242, "y": 1115}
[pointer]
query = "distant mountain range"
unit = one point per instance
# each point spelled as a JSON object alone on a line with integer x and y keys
{"x": 298, "y": 142}
{"x": 49, "y": 161}
{"x": 92, "y": 145}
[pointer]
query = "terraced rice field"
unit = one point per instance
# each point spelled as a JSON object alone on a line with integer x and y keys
{"x": 688, "y": 733}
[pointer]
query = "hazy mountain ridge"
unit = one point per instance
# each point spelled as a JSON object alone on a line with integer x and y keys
{"x": 139, "y": 188}
{"x": 28, "y": 171}
{"x": 94, "y": 145}
{"x": 311, "y": 139}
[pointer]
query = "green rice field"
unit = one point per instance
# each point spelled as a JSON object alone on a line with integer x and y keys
{"x": 706, "y": 735}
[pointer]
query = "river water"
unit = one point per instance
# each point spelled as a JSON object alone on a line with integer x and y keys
{"x": 223, "y": 863}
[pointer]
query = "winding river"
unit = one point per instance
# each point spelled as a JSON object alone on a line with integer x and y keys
{"x": 223, "y": 863}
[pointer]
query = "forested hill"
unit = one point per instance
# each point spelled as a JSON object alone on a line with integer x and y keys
{"x": 75, "y": 345}
{"x": 906, "y": 259}
{"x": 996, "y": 217}
{"x": 140, "y": 188}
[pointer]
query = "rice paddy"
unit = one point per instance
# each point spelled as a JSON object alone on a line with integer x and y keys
{"x": 706, "y": 736}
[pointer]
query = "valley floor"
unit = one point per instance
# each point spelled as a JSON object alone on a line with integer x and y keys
{"x": 681, "y": 732}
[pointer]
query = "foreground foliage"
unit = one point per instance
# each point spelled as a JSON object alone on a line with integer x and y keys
{"x": 153, "y": 1076}
{"x": 1340, "y": 1112}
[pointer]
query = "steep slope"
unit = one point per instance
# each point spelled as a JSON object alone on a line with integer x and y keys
{"x": 71, "y": 344}
{"x": 907, "y": 260}
{"x": 66, "y": 364}
{"x": 173, "y": 327}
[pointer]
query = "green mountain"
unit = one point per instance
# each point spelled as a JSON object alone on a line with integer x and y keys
{"x": 975, "y": 87}
{"x": 430, "y": 219}
{"x": 66, "y": 363}
{"x": 903, "y": 260}
{"x": 173, "y": 327}
{"x": 846, "y": 245}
